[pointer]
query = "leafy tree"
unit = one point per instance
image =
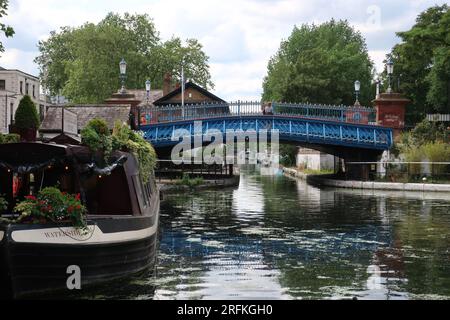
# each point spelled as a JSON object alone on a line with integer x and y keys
{"x": 26, "y": 116}
{"x": 320, "y": 63}
{"x": 422, "y": 62}
{"x": 82, "y": 63}
{"x": 7, "y": 30}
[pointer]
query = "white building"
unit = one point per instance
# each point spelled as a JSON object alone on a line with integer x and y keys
{"x": 14, "y": 85}
{"x": 316, "y": 160}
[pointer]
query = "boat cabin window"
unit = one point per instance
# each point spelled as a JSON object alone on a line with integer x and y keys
{"x": 15, "y": 186}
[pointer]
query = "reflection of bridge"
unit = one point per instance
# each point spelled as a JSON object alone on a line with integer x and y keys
{"x": 342, "y": 131}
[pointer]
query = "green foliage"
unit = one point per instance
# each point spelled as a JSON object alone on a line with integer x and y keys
{"x": 7, "y": 30}
{"x": 83, "y": 62}
{"x": 52, "y": 206}
{"x": 26, "y": 114}
{"x": 9, "y": 138}
{"x": 125, "y": 139}
{"x": 425, "y": 132}
{"x": 423, "y": 61}
{"x": 437, "y": 152}
{"x": 190, "y": 182}
{"x": 288, "y": 155}
{"x": 320, "y": 63}
{"x": 3, "y": 205}
{"x": 97, "y": 137}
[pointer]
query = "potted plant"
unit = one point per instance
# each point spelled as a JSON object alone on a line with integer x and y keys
{"x": 26, "y": 121}
{"x": 52, "y": 206}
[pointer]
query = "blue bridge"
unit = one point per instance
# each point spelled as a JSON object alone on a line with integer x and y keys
{"x": 346, "y": 132}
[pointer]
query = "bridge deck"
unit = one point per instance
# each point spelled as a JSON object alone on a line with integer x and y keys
{"x": 291, "y": 129}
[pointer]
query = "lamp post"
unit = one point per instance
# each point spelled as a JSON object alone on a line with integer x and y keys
{"x": 357, "y": 90}
{"x": 390, "y": 71}
{"x": 378, "y": 83}
{"x": 148, "y": 86}
{"x": 123, "y": 74}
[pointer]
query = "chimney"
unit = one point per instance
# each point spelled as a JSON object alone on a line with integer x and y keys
{"x": 167, "y": 83}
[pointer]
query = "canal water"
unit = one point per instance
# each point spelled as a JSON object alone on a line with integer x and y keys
{"x": 279, "y": 238}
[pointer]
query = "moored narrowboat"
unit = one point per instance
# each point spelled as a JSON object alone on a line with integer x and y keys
{"x": 119, "y": 232}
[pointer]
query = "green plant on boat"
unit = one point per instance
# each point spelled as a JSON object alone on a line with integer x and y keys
{"x": 3, "y": 205}
{"x": 125, "y": 139}
{"x": 52, "y": 205}
{"x": 9, "y": 138}
{"x": 96, "y": 135}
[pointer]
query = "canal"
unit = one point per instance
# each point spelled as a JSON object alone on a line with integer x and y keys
{"x": 278, "y": 238}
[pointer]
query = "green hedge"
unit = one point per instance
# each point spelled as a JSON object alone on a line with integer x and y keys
{"x": 26, "y": 115}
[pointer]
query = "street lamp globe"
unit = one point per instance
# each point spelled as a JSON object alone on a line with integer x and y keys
{"x": 390, "y": 66}
{"x": 357, "y": 89}
{"x": 123, "y": 67}
{"x": 148, "y": 85}
{"x": 357, "y": 86}
{"x": 390, "y": 71}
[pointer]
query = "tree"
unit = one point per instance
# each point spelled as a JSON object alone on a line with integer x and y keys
{"x": 26, "y": 116}
{"x": 422, "y": 62}
{"x": 7, "y": 30}
{"x": 319, "y": 64}
{"x": 82, "y": 63}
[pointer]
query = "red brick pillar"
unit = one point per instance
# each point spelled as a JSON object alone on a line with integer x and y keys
{"x": 391, "y": 109}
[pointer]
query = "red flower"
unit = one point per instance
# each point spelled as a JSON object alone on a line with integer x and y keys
{"x": 78, "y": 207}
{"x": 78, "y": 196}
{"x": 31, "y": 198}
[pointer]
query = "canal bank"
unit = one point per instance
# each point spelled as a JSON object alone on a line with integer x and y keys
{"x": 171, "y": 186}
{"x": 331, "y": 181}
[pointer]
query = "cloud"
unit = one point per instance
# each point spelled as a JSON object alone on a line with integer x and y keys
{"x": 239, "y": 36}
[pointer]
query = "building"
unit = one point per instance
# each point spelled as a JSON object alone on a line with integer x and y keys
{"x": 309, "y": 159}
{"x": 64, "y": 123}
{"x": 14, "y": 85}
{"x": 193, "y": 94}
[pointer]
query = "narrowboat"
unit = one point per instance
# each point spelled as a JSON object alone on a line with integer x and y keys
{"x": 120, "y": 234}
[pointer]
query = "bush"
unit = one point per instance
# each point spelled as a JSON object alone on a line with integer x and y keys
{"x": 437, "y": 152}
{"x": 26, "y": 114}
{"x": 125, "y": 139}
{"x": 3, "y": 205}
{"x": 9, "y": 138}
{"x": 97, "y": 138}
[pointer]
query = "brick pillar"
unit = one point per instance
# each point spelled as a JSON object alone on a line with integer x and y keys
{"x": 126, "y": 99}
{"x": 391, "y": 109}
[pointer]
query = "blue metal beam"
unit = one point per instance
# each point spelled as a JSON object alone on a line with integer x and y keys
{"x": 291, "y": 129}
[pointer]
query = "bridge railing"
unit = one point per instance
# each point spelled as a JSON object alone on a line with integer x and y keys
{"x": 172, "y": 113}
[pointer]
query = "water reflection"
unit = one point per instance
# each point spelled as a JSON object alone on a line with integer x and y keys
{"x": 277, "y": 238}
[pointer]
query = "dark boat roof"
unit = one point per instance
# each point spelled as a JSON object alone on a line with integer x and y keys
{"x": 25, "y": 157}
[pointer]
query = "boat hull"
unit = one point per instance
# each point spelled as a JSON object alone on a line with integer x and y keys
{"x": 39, "y": 259}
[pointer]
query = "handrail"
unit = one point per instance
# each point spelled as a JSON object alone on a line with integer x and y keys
{"x": 172, "y": 113}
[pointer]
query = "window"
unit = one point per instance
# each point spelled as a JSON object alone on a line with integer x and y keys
{"x": 2, "y": 84}
{"x": 42, "y": 112}
{"x": 21, "y": 87}
{"x": 34, "y": 91}
{"x": 12, "y": 112}
{"x": 27, "y": 86}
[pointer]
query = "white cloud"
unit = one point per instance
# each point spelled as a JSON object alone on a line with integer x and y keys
{"x": 239, "y": 35}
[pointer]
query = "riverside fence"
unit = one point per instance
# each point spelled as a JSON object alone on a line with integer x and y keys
{"x": 407, "y": 172}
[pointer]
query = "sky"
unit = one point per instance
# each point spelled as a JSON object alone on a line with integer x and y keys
{"x": 239, "y": 36}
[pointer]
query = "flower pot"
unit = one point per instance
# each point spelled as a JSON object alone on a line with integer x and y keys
{"x": 26, "y": 135}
